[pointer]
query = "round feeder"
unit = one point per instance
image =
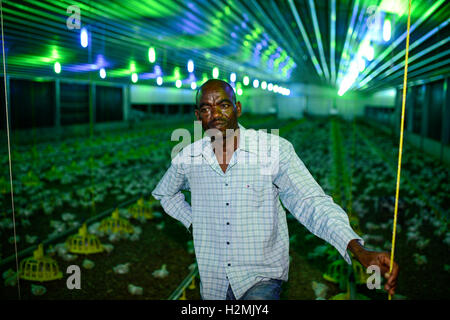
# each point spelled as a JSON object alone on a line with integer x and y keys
{"x": 115, "y": 224}
{"x": 84, "y": 242}
{"x": 141, "y": 210}
{"x": 39, "y": 267}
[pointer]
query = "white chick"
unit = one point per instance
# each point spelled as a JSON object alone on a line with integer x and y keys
{"x": 320, "y": 289}
{"x": 88, "y": 264}
{"x": 69, "y": 257}
{"x": 108, "y": 247}
{"x": 135, "y": 290}
{"x": 161, "y": 273}
{"x": 160, "y": 226}
{"x": 30, "y": 239}
{"x": 122, "y": 268}
{"x": 38, "y": 290}
{"x": 67, "y": 216}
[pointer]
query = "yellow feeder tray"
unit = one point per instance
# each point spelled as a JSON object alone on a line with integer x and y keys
{"x": 84, "y": 242}
{"x": 141, "y": 210}
{"x": 115, "y": 224}
{"x": 39, "y": 267}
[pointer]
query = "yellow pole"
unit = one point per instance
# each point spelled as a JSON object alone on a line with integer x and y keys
{"x": 401, "y": 143}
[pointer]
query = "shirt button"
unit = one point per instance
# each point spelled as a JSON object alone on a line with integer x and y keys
{"x": 229, "y": 264}
{"x": 228, "y": 223}
{"x": 228, "y": 204}
{"x": 226, "y": 184}
{"x": 228, "y": 242}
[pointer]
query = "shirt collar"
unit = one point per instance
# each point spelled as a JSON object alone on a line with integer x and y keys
{"x": 248, "y": 140}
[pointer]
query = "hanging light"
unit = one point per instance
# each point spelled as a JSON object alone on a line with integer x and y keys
{"x": 178, "y": 83}
{"x": 159, "y": 81}
{"x": 233, "y": 77}
{"x": 102, "y": 73}
{"x": 57, "y": 67}
{"x": 239, "y": 92}
{"x": 215, "y": 73}
{"x": 270, "y": 87}
{"x": 264, "y": 85}
{"x": 190, "y": 66}
{"x": 151, "y": 55}
{"x": 84, "y": 38}
{"x": 255, "y": 83}
{"x": 387, "y": 30}
{"x": 134, "y": 77}
{"x": 193, "y": 85}
{"x": 246, "y": 80}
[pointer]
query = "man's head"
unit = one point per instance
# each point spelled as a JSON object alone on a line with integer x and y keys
{"x": 216, "y": 106}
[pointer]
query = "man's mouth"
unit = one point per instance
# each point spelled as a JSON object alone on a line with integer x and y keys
{"x": 218, "y": 123}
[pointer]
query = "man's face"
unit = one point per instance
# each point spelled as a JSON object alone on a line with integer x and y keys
{"x": 216, "y": 109}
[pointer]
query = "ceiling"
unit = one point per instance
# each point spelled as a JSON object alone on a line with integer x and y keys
{"x": 337, "y": 43}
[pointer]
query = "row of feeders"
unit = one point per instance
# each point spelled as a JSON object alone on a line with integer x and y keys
{"x": 40, "y": 267}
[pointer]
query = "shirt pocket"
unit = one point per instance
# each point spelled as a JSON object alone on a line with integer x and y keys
{"x": 256, "y": 193}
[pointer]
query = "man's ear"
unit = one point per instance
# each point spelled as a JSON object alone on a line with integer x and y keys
{"x": 197, "y": 114}
{"x": 238, "y": 109}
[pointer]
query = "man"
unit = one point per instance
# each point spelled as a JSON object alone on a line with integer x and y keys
{"x": 237, "y": 178}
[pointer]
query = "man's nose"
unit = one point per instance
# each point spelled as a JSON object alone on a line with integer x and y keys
{"x": 216, "y": 112}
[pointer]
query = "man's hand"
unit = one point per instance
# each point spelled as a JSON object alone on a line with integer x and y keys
{"x": 380, "y": 259}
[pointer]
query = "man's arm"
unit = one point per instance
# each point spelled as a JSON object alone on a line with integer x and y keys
{"x": 305, "y": 199}
{"x": 168, "y": 191}
{"x": 308, "y": 203}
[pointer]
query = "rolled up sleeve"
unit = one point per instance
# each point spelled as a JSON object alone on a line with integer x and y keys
{"x": 168, "y": 191}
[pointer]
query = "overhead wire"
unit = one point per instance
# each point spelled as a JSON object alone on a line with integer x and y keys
{"x": 9, "y": 151}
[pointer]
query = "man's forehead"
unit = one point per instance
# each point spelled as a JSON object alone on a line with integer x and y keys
{"x": 215, "y": 88}
{"x": 215, "y": 91}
